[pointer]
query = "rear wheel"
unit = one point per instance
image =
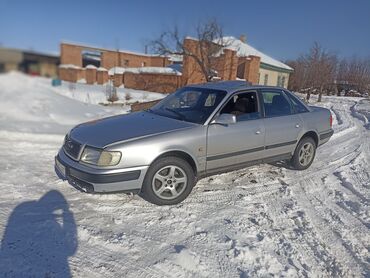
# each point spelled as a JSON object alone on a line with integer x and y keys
{"x": 168, "y": 181}
{"x": 304, "y": 154}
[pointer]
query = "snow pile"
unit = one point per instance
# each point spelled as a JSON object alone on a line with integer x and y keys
{"x": 97, "y": 94}
{"x": 81, "y": 81}
{"x": 69, "y": 66}
{"x": 28, "y": 104}
{"x": 157, "y": 70}
{"x": 91, "y": 67}
{"x": 243, "y": 49}
{"x": 364, "y": 107}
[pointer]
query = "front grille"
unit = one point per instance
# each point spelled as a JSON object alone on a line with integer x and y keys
{"x": 72, "y": 148}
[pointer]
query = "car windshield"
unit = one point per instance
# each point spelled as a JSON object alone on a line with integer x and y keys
{"x": 189, "y": 104}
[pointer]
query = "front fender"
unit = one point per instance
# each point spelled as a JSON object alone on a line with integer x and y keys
{"x": 144, "y": 151}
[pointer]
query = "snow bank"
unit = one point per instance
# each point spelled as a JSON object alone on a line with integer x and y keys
{"x": 36, "y": 106}
{"x": 30, "y": 104}
{"x": 69, "y": 66}
{"x": 97, "y": 94}
{"x": 158, "y": 70}
{"x": 91, "y": 67}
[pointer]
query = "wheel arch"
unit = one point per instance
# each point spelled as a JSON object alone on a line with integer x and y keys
{"x": 180, "y": 154}
{"x": 313, "y": 135}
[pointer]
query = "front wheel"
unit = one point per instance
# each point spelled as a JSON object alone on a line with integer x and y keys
{"x": 304, "y": 154}
{"x": 168, "y": 181}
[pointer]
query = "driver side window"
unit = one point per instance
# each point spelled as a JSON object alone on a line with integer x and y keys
{"x": 244, "y": 106}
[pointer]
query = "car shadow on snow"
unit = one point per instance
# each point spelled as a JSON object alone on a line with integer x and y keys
{"x": 39, "y": 237}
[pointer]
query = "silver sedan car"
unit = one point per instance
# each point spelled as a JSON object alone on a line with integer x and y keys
{"x": 198, "y": 131}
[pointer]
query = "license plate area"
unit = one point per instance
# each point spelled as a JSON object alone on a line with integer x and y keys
{"x": 61, "y": 168}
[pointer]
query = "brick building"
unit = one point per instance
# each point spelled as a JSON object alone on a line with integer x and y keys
{"x": 81, "y": 56}
{"x": 28, "y": 61}
{"x": 256, "y": 66}
{"x": 165, "y": 74}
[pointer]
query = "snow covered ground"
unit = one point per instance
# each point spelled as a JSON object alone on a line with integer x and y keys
{"x": 97, "y": 94}
{"x": 261, "y": 221}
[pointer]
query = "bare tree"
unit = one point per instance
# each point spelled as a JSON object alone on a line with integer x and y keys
{"x": 209, "y": 46}
{"x": 314, "y": 71}
{"x": 321, "y": 71}
{"x": 321, "y": 68}
{"x": 111, "y": 92}
{"x": 297, "y": 79}
{"x": 354, "y": 73}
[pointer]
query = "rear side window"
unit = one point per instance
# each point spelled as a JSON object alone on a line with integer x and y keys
{"x": 276, "y": 104}
{"x": 297, "y": 105}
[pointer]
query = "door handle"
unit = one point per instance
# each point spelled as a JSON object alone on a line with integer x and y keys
{"x": 297, "y": 125}
{"x": 258, "y": 132}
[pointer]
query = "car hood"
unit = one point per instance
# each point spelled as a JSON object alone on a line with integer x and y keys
{"x": 106, "y": 131}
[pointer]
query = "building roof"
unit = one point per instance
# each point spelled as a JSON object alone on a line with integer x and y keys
{"x": 243, "y": 49}
{"x": 92, "y": 47}
{"x": 31, "y": 51}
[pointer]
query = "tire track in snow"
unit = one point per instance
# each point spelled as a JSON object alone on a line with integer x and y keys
{"x": 309, "y": 253}
{"x": 328, "y": 232}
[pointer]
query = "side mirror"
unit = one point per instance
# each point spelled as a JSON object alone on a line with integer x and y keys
{"x": 224, "y": 119}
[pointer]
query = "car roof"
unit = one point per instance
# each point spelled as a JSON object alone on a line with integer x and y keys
{"x": 230, "y": 86}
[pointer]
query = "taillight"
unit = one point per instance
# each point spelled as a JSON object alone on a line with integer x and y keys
{"x": 331, "y": 120}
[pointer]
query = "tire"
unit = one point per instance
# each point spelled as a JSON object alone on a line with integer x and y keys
{"x": 169, "y": 181}
{"x": 304, "y": 154}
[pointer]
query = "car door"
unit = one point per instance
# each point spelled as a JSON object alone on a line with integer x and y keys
{"x": 232, "y": 145}
{"x": 282, "y": 126}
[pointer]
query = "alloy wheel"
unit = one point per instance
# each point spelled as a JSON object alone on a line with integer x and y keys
{"x": 169, "y": 182}
{"x": 306, "y": 154}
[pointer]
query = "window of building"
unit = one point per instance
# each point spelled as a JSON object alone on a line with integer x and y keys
{"x": 91, "y": 57}
{"x": 126, "y": 63}
{"x": 240, "y": 71}
{"x": 143, "y": 64}
{"x": 278, "y": 81}
{"x": 266, "y": 80}
{"x": 283, "y": 81}
{"x": 276, "y": 104}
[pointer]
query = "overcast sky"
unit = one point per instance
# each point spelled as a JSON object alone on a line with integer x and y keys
{"x": 282, "y": 29}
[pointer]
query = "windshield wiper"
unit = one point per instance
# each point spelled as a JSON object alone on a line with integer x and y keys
{"x": 181, "y": 116}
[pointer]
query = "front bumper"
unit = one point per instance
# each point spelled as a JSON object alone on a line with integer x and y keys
{"x": 88, "y": 179}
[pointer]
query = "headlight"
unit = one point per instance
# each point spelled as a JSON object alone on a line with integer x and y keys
{"x": 100, "y": 157}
